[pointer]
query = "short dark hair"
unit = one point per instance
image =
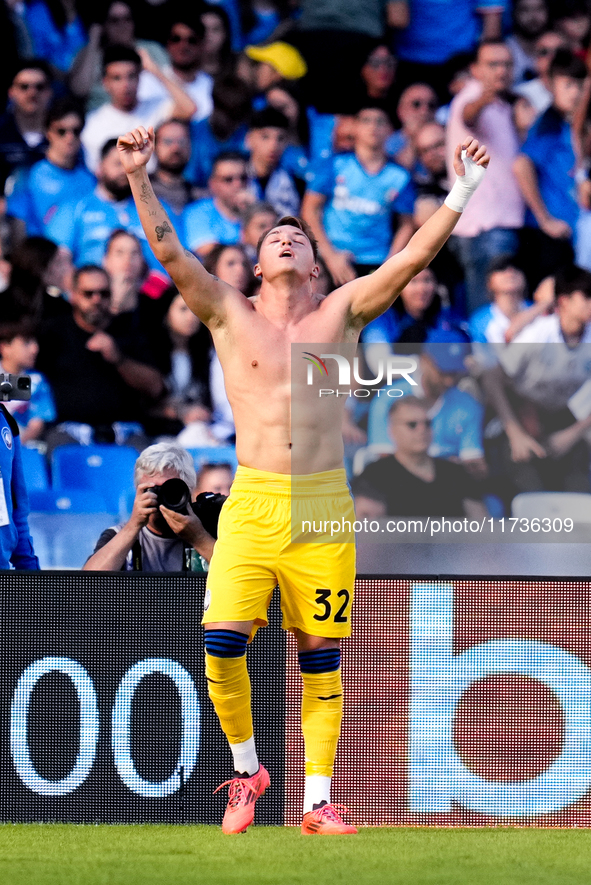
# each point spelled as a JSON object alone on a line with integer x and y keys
{"x": 293, "y": 221}
{"x": 566, "y": 64}
{"x": 500, "y": 263}
{"x": 230, "y": 93}
{"x": 23, "y": 327}
{"x": 121, "y": 232}
{"x": 108, "y": 147}
{"x": 32, "y": 64}
{"x": 63, "y": 107}
{"x": 228, "y": 156}
{"x": 172, "y": 120}
{"x": 371, "y": 105}
{"x": 118, "y": 52}
{"x": 490, "y": 41}
{"x": 88, "y": 268}
{"x": 406, "y": 401}
{"x": 269, "y": 118}
{"x": 572, "y": 279}
{"x": 188, "y": 16}
{"x": 253, "y": 209}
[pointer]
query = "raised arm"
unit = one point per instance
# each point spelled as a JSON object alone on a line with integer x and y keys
{"x": 205, "y": 294}
{"x": 370, "y": 296}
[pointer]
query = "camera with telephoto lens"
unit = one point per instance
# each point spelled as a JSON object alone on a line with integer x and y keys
{"x": 176, "y": 495}
{"x": 14, "y": 387}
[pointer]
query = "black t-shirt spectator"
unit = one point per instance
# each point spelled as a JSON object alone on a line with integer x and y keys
{"x": 86, "y": 388}
{"x": 408, "y": 495}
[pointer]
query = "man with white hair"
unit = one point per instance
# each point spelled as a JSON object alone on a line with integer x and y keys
{"x": 156, "y": 538}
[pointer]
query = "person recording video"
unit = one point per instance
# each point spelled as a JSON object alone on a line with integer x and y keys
{"x": 157, "y": 537}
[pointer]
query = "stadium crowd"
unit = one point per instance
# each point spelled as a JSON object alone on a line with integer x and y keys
{"x": 346, "y": 114}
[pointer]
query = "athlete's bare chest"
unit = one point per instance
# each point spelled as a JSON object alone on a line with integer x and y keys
{"x": 270, "y": 348}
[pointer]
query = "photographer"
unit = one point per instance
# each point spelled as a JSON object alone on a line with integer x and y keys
{"x": 157, "y": 538}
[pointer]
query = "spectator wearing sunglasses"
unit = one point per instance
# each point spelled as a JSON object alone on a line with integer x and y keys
{"x": 100, "y": 372}
{"x": 377, "y": 78}
{"x": 22, "y": 137}
{"x": 416, "y": 107}
{"x": 217, "y": 218}
{"x": 184, "y": 43}
{"x": 414, "y": 483}
{"x": 37, "y": 194}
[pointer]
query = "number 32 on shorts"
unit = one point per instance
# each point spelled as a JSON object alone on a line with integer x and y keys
{"x": 335, "y": 607}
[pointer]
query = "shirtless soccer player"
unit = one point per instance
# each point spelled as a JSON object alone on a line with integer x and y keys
{"x": 255, "y": 549}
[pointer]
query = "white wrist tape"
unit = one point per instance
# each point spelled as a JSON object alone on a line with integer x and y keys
{"x": 465, "y": 184}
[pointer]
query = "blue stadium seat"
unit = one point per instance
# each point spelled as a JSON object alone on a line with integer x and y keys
{"x": 66, "y": 501}
{"x": 66, "y": 540}
{"x": 35, "y": 467}
{"x": 105, "y": 469}
{"x": 214, "y": 455}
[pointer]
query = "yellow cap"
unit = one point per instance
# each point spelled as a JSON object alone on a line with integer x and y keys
{"x": 283, "y": 57}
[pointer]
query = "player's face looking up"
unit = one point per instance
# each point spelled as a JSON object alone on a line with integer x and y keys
{"x": 286, "y": 249}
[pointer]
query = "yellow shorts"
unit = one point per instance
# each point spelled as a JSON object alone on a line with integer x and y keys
{"x": 258, "y": 547}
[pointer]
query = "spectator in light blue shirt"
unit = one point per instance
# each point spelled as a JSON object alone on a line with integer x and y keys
{"x": 58, "y": 178}
{"x": 217, "y": 219}
{"x": 83, "y": 226}
{"x": 352, "y": 200}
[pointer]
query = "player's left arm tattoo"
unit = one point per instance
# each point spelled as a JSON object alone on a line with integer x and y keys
{"x": 162, "y": 229}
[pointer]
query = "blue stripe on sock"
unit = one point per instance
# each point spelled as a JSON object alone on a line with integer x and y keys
{"x": 322, "y": 660}
{"x": 225, "y": 643}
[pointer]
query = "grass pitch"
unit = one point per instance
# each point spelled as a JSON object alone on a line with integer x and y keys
{"x": 62, "y": 854}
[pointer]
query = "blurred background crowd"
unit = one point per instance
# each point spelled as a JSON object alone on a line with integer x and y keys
{"x": 347, "y": 114}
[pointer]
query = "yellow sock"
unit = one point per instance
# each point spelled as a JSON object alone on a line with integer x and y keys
{"x": 228, "y": 684}
{"x": 322, "y": 713}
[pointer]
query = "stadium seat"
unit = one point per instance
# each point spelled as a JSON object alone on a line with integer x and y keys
{"x": 562, "y": 505}
{"x": 105, "y": 469}
{"x": 66, "y": 501}
{"x": 214, "y": 455}
{"x": 66, "y": 540}
{"x": 35, "y": 468}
